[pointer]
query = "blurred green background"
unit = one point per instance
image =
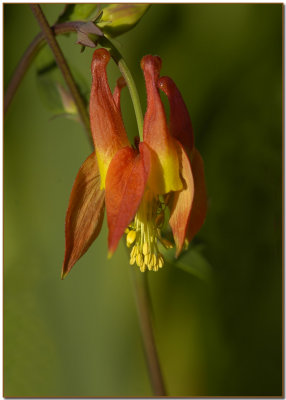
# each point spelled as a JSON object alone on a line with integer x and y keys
{"x": 220, "y": 336}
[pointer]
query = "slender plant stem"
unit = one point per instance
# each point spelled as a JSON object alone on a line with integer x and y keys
{"x": 116, "y": 55}
{"x": 22, "y": 68}
{"x": 62, "y": 64}
{"x": 143, "y": 303}
{"x": 134, "y": 95}
{"x": 30, "y": 54}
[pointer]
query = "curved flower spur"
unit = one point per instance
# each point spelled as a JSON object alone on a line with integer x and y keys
{"x": 136, "y": 184}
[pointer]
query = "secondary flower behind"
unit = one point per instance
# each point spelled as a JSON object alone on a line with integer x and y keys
{"x": 136, "y": 184}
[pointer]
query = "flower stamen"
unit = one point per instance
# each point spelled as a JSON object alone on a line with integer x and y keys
{"x": 145, "y": 231}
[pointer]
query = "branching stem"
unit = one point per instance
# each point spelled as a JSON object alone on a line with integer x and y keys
{"x": 62, "y": 64}
{"x": 30, "y": 54}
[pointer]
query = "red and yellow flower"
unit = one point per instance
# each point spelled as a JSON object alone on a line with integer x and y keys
{"x": 136, "y": 184}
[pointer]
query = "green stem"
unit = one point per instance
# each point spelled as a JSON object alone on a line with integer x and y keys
{"x": 62, "y": 64}
{"x": 116, "y": 55}
{"x": 143, "y": 303}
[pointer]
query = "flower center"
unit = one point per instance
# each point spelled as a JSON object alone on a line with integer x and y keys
{"x": 145, "y": 231}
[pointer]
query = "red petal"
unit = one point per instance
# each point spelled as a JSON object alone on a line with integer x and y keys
{"x": 106, "y": 124}
{"x": 180, "y": 121}
{"x": 120, "y": 84}
{"x": 85, "y": 213}
{"x": 125, "y": 183}
{"x": 182, "y": 202}
{"x": 155, "y": 124}
{"x": 164, "y": 176}
{"x": 199, "y": 208}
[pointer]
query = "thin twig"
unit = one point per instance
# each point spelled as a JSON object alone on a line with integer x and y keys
{"x": 29, "y": 55}
{"x": 62, "y": 64}
{"x": 143, "y": 303}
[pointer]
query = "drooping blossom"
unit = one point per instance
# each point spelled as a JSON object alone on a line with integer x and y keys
{"x": 137, "y": 184}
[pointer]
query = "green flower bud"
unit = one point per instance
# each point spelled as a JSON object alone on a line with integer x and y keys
{"x": 120, "y": 18}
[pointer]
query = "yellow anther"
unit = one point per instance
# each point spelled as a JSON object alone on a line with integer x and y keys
{"x": 144, "y": 232}
{"x": 160, "y": 261}
{"x": 132, "y": 260}
{"x": 146, "y": 248}
{"x": 130, "y": 238}
{"x": 139, "y": 260}
{"x": 147, "y": 259}
{"x": 166, "y": 243}
{"x": 154, "y": 260}
{"x": 134, "y": 251}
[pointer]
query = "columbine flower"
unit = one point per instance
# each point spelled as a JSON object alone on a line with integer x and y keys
{"x": 136, "y": 184}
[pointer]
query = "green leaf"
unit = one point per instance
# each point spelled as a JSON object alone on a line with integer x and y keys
{"x": 120, "y": 18}
{"x": 48, "y": 78}
{"x": 79, "y": 12}
{"x": 52, "y": 88}
{"x": 191, "y": 261}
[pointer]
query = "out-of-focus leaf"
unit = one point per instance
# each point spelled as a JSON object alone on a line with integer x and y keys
{"x": 52, "y": 88}
{"x": 191, "y": 261}
{"x": 48, "y": 78}
{"x": 79, "y": 12}
{"x": 120, "y": 18}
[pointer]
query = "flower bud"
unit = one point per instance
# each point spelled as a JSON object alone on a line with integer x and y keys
{"x": 120, "y": 18}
